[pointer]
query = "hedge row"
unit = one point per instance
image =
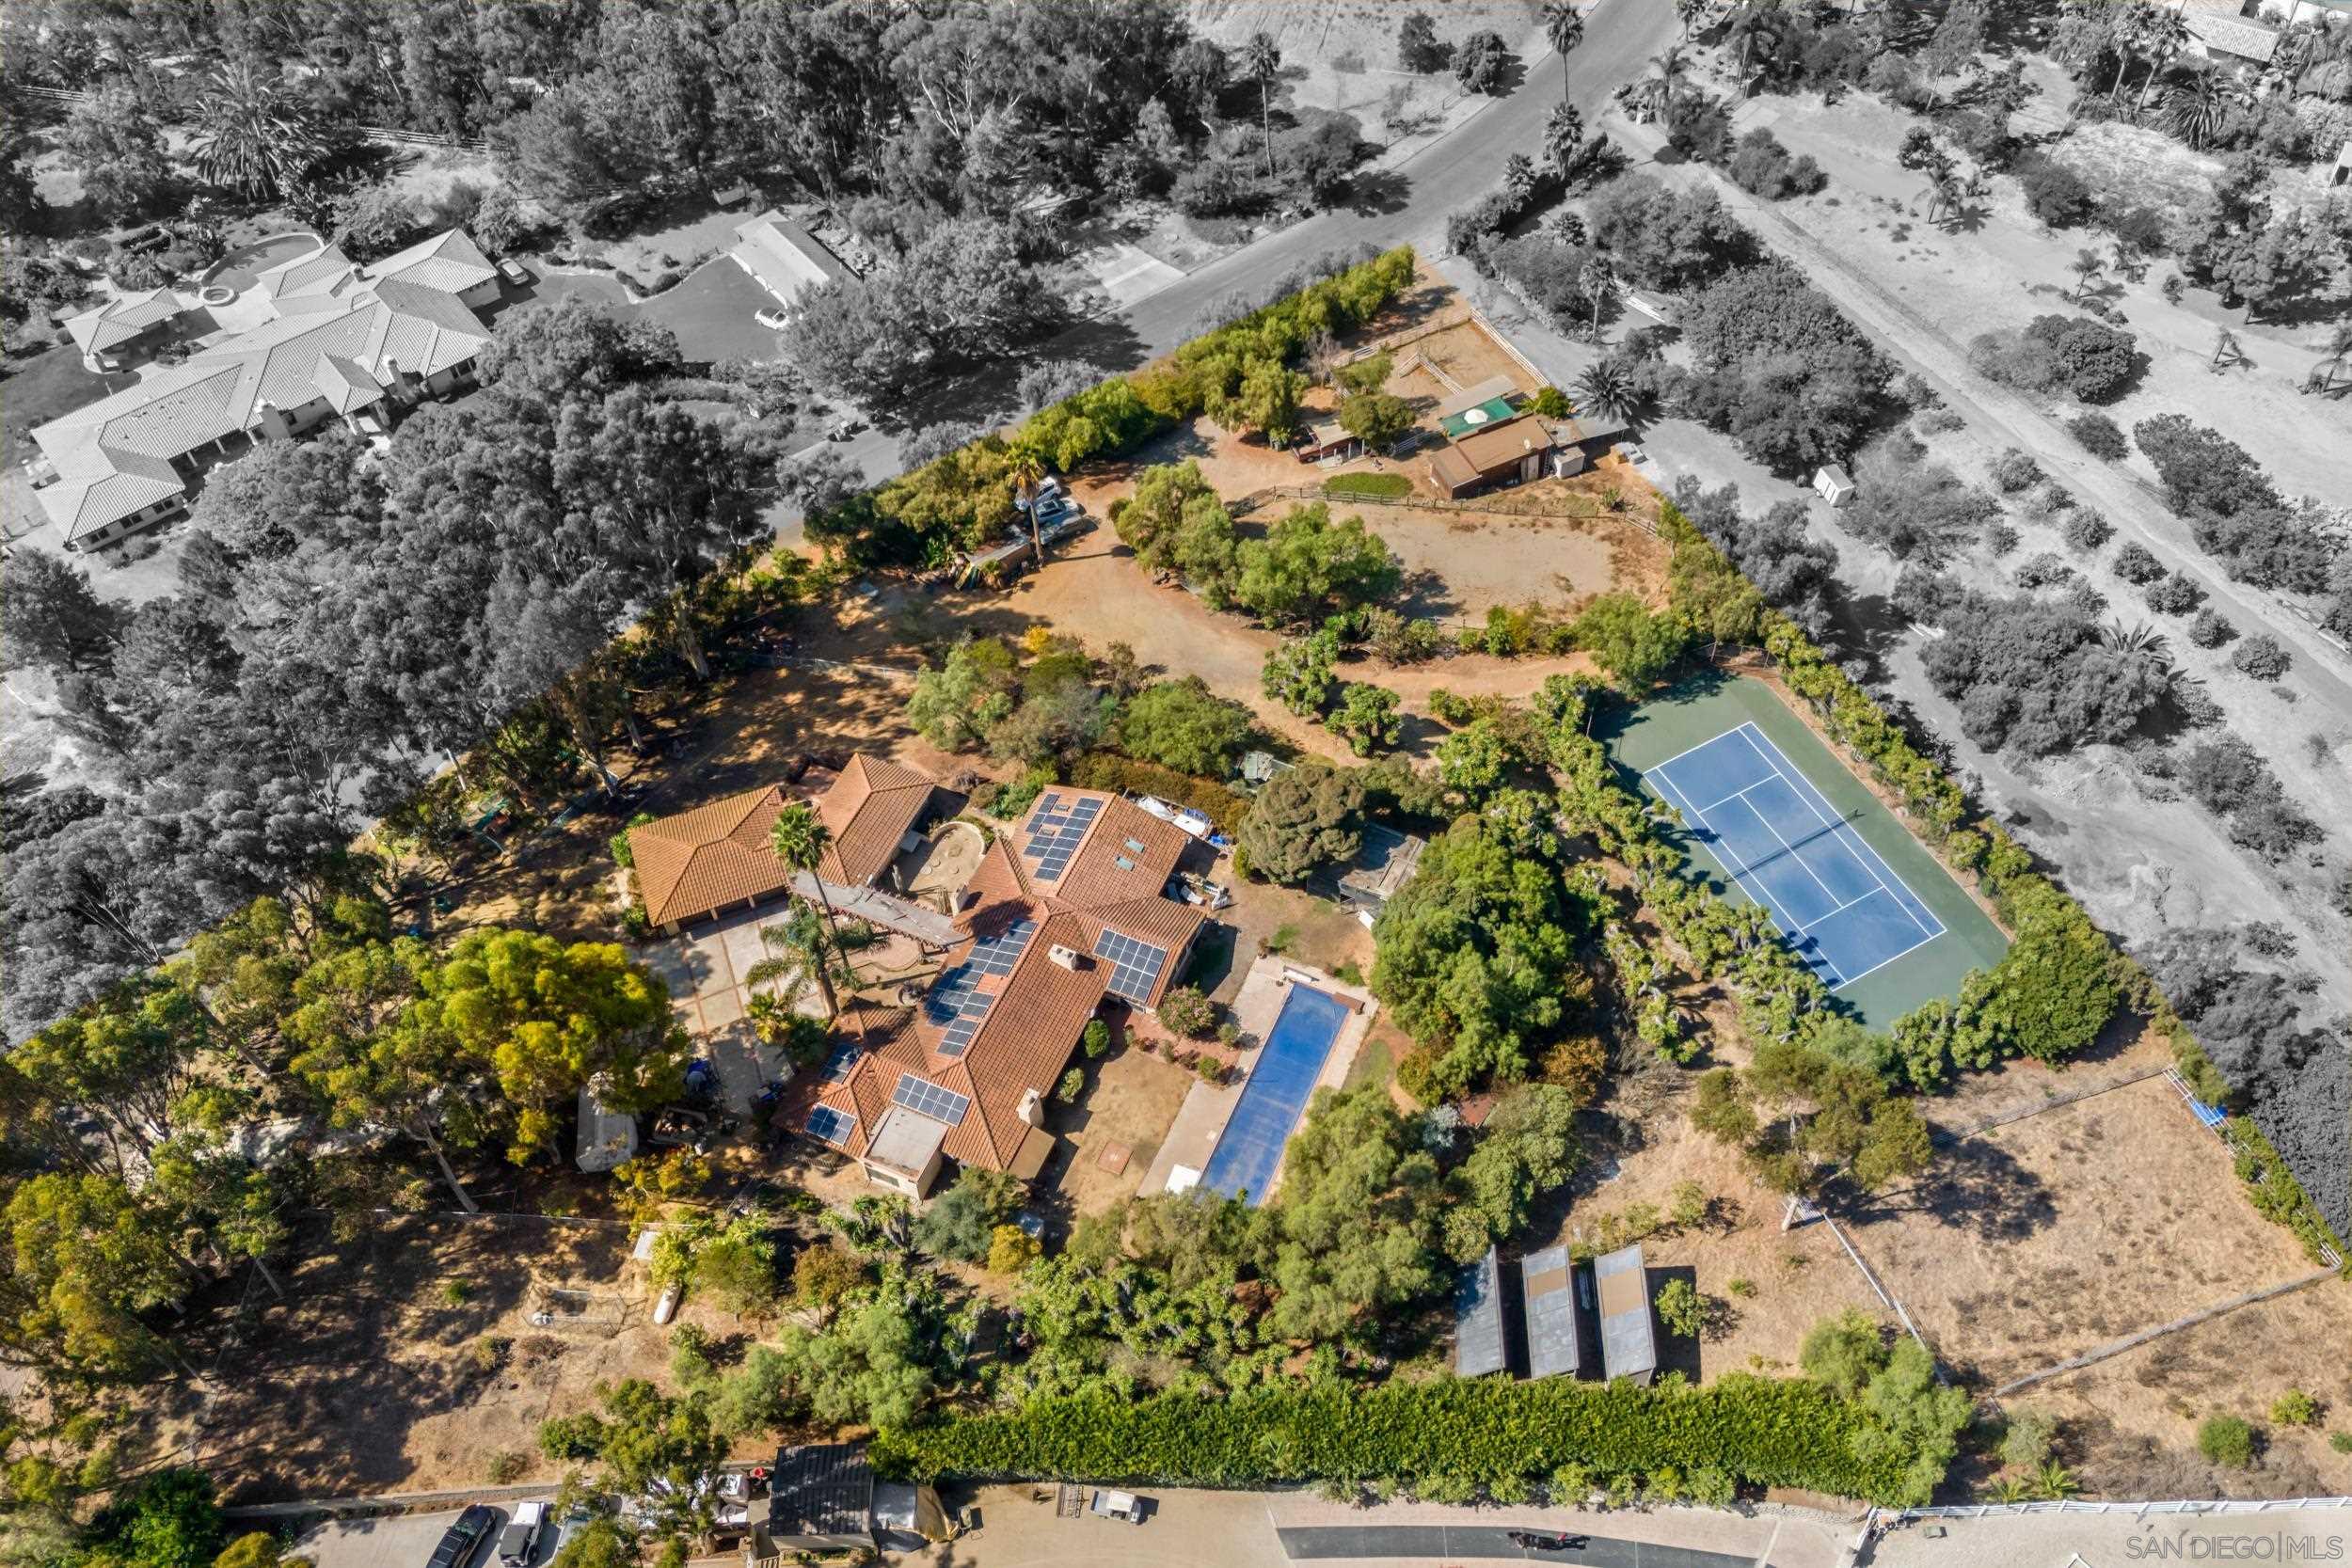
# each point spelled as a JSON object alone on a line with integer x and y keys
{"x": 2030, "y": 904}
{"x": 1765, "y": 1430}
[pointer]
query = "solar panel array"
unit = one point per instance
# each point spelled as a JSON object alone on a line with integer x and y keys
{"x": 925, "y": 1097}
{"x": 1055, "y": 831}
{"x": 837, "y": 1065}
{"x": 956, "y": 1004}
{"x": 1135, "y": 965}
{"x": 831, "y": 1125}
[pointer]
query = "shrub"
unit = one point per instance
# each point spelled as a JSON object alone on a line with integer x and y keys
{"x": 2026, "y": 1444}
{"x": 1074, "y": 1084}
{"x": 2210, "y": 630}
{"x": 2088, "y": 531}
{"x": 2014, "y": 470}
{"x": 2053, "y": 193}
{"x": 1761, "y": 165}
{"x": 2340, "y": 1441}
{"x": 1189, "y": 1012}
{"x": 2173, "y": 594}
{"x": 2081, "y": 358}
{"x": 2100, "y": 435}
{"x": 2261, "y": 657}
{"x": 2227, "y": 1441}
{"x": 2136, "y": 564}
{"x": 1679, "y": 1311}
{"x": 1096, "y": 1040}
{"x": 2294, "y": 1408}
{"x": 1011, "y": 1249}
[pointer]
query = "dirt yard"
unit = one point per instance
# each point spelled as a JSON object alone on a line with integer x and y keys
{"x": 2046, "y": 1237}
{"x": 1130, "y": 1099}
{"x": 406, "y": 1360}
{"x": 1464, "y": 355}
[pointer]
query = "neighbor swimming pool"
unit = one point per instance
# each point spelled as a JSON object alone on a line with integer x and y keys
{"x": 1250, "y": 1148}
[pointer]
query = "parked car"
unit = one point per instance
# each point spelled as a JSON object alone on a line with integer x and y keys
{"x": 774, "y": 321}
{"x": 513, "y": 271}
{"x": 521, "y": 1534}
{"x": 464, "y": 1538}
{"x": 1118, "y": 1505}
{"x": 846, "y": 429}
{"x": 570, "y": 1525}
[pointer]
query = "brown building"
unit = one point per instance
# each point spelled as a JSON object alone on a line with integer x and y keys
{"x": 1066, "y": 910}
{"x": 1501, "y": 453}
{"x": 718, "y": 857}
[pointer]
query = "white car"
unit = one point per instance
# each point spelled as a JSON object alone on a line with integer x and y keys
{"x": 513, "y": 272}
{"x": 774, "y": 321}
{"x": 522, "y": 1534}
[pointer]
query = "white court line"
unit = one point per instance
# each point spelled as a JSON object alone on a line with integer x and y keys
{"x": 1687, "y": 749}
{"x": 1790, "y": 851}
{"x": 1851, "y": 842}
{"x": 1788, "y": 927}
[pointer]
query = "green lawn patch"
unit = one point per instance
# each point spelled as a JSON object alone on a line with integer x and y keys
{"x": 1368, "y": 487}
{"x": 50, "y": 384}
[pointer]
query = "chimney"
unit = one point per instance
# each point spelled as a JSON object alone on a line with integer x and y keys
{"x": 1066, "y": 956}
{"x": 1030, "y": 1112}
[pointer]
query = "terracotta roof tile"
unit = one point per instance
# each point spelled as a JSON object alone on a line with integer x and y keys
{"x": 869, "y": 810}
{"x": 703, "y": 859}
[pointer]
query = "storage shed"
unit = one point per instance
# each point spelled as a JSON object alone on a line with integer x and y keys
{"x": 1478, "y": 1346}
{"x": 1629, "y": 1341}
{"x": 1554, "y": 1338}
{"x": 1833, "y": 484}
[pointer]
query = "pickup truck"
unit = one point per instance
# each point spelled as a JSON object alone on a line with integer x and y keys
{"x": 522, "y": 1534}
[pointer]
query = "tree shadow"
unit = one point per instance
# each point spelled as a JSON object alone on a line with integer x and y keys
{"x": 1976, "y": 1187}
{"x": 1378, "y": 193}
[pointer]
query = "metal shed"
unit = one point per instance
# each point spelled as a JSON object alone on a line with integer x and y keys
{"x": 1478, "y": 1347}
{"x": 1554, "y": 1338}
{"x": 1629, "y": 1341}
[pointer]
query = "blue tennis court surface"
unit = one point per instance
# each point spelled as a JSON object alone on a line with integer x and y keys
{"x": 1251, "y": 1144}
{"x": 1843, "y": 909}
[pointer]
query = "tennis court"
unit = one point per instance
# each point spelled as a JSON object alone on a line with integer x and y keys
{"x": 1842, "y": 908}
{"x": 1774, "y": 817}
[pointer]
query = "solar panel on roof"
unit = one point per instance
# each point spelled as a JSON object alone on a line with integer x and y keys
{"x": 1055, "y": 833}
{"x": 831, "y": 1125}
{"x": 925, "y": 1097}
{"x": 837, "y": 1065}
{"x": 1135, "y": 965}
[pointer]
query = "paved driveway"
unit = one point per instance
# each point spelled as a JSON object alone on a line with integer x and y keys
{"x": 406, "y": 1541}
{"x": 1454, "y": 1542}
{"x": 705, "y": 970}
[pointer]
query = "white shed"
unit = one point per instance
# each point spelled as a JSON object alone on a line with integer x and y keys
{"x": 1832, "y": 483}
{"x": 607, "y": 1139}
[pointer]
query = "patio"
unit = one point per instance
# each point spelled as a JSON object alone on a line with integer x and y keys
{"x": 704, "y": 969}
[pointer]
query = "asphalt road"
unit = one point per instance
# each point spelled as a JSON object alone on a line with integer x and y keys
{"x": 1457, "y": 1543}
{"x": 1407, "y": 204}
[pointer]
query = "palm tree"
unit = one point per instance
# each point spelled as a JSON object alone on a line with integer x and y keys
{"x": 1687, "y": 12}
{"x": 2163, "y": 33}
{"x": 2139, "y": 639}
{"x": 2086, "y": 265}
{"x": 1596, "y": 284}
{"x": 798, "y": 957}
{"x": 801, "y": 840}
{"x": 1565, "y": 29}
{"x": 2124, "y": 35}
{"x": 1607, "y": 388}
{"x": 1942, "y": 194}
{"x": 1025, "y": 466}
{"x": 2199, "y": 108}
{"x": 1262, "y": 58}
{"x": 1563, "y": 136}
{"x": 1567, "y": 227}
{"x": 1656, "y": 91}
{"x": 248, "y": 137}
{"x": 2339, "y": 350}
{"x": 2054, "y": 1482}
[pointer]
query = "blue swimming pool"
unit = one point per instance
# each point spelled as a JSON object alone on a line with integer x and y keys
{"x": 1252, "y": 1147}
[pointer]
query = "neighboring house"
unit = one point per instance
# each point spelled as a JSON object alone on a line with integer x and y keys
{"x": 127, "y": 329}
{"x": 1629, "y": 1338}
{"x": 345, "y": 342}
{"x": 1488, "y": 441}
{"x": 1326, "y": 437}
{"x": 786, "y": 257}
{"x": 824, "y": 1498}
{"x": 1478, "y": 1348}
{"x": 1066, "y": 910}
{"x": 2221, "y": 30}
{"x": 873, "y": 811}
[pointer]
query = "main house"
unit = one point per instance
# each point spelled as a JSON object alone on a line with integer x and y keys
{"x": 1065, "y": 911}
{"x": 343, "y": 342}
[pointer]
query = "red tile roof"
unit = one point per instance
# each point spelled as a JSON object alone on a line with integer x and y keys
{"x": 1036, "y": 1010}
{"x": 869, "y": 810}
{"x": 701, "y": 861}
